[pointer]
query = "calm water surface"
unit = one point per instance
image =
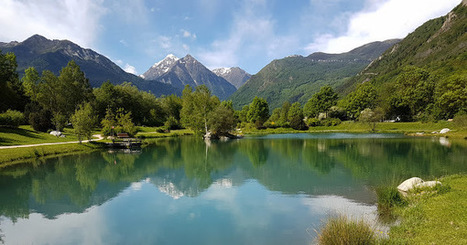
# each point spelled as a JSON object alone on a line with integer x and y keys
{"x": 274, "y": 189}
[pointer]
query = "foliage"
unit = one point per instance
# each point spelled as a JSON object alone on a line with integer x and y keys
{"x": 40, "y": 120}
{"x": 258, "y": 112}
{"x": 371, "y": 117}
{"x": 364, "y": 96}
{"x": 451, "y": 97}
{"x": 11, "y": 118}
{"x": 222, "y": 120}
{"x": 321, "y": 102}
{"x": 313, "y": 122}
{"x": 388, "y": 197}
{"x": 83, "y": 121}
{"x": 295, "y": 117}
{"x": 120, "y": 122}
{"x": 330, "y": 122}
{"x": 196, "y": 108}
{"x": 342, "y": 230}
{"x": 460, "y": 120}
{"x": 11, "y": 92}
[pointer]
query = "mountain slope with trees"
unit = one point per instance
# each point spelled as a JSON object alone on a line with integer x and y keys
{"x": 52, "y": 55}
{"x": 423, "y": 77}
{"x": 297, "y": 78}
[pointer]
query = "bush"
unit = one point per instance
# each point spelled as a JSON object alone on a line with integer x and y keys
{"x": 460, "y": 120}
{"x": 40, "y": 121}
{"x": 162, "y": 129}
{"x": 171, "y": 123}
{"x": 11, "y": 118}
{"x": 388, "y": 197}
{"x": 341, "y": 230}
{"x": 313, "y": 122}
{"x": 328, "y": 122}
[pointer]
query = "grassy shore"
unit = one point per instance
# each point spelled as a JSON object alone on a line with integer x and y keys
{"x": 17, "y": 155}
{"x": 434, "y": 218}
{"x": 409, "y": 128}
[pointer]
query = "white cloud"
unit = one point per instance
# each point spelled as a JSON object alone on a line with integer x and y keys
{"x": 381, "y": 20}
{"x": 130, "y": 69}
{"x": 252, "y": 35}
{"x": 75, "y": 20}
{"x": 187, "y": 34}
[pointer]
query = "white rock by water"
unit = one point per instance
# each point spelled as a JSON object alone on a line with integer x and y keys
{"x": 444, "y": 130}
{"x": 56, "y": 133}
{"x": 409, "y": 184}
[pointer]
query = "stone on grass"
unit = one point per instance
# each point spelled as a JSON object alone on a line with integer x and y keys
{"x": 409, "y": 184}
{"x": 444, "y": 130}
{"x": 56, "y": 133}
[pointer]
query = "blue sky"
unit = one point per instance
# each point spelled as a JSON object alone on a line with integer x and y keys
{"x": 220, "y": 33}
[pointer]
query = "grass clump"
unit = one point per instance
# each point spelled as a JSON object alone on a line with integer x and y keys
{"x": 388, "y": 198}
{"x": 342, "y": 230}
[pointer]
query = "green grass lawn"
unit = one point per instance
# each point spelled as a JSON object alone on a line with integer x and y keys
{"x": 434, "y": 219}
{"x": 25, "y": 135}
{"x": 16, "y": 155}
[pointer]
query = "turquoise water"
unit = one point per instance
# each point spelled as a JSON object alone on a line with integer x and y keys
{"x": 274, "y": 189}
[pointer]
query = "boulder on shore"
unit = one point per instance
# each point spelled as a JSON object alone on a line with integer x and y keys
{"x": 444, "y": 130}
{"x": 56, "y": 133}
{"x": 415, "y": 182}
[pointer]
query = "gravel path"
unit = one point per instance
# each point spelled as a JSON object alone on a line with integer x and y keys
{"x": 99, "y": 137}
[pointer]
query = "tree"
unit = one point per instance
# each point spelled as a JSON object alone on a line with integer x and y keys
{"x": 365, "y": 96}
{"x": 30, "y": 82}
{"x": 222, "y": 120}
{"x": 451, "y": 97}
{"x": 321, "y": 102}
{"x": 371, "y": 117}
{"x": 11, "y": 93}
{"x": 411, "y": 94}
{"x": 196, "y": 108}
{"x": 83, "y": 121}
{"x": 295, "y": 117}
{"x": 117, "y": 123}
{"x": 284, "y": 115}
{"x": 258, "y": 112}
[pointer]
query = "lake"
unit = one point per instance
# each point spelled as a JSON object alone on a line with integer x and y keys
{"x": 274, "y": 189}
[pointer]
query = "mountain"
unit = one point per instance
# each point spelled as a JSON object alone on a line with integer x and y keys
{"x": 438, "y": 46}
{"x": 44, "y": 54}
{"x": 297, "y": 78}
{"x": 160, "y": 68}
{"x": 235, "y": 75}
{"x": 188, "y": 71}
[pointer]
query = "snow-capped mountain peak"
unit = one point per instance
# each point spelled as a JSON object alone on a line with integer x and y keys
{"x": 160, "y": 67}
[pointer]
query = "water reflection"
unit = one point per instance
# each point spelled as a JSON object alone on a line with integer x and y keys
{"x": 247, "y": 185}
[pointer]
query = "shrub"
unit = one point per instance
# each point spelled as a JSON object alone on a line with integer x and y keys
{"x": 460, "y": 120}
{"x": 11, "y": 118}
{"x": 331, "y": 122}
{"x": 313, "y": 122}
{"x": 388, "y": 197}
{"x": 40, "y": 121}
{"x": 342, "y": 230}
{"x": 172, "y": 123}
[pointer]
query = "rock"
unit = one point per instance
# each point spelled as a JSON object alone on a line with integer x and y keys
{"x": 429, "y": 184}
{"x": 56, "y": 133}
{"x": 409, "y": 184}
{"x": 444, "y": 130}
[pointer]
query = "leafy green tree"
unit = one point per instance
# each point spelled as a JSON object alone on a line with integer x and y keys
{"x": 196, "y": 108}
{"x": 11, "y": 93}
{"x": 274, "y": 119}
{"x": 172, "y": 105}
{"x": 321, "y": 102}
{"x": 371, "y": 117}
{"x": 295, "y": 117}
{"x": 83, "y": 121}
{"x": 242, "y": 114}
{"x": 258, "y": 112}
{"x": 222, "y": 120}
{"x": 284, "y": 115}
{"x": 451, "y": 97}
{"x": 364, "y": 96}
{"x": 30, "y": 82}
{"x": 121, "y": 122}
{"x": 411, "y": 94}
{"x": 108, "y": 123}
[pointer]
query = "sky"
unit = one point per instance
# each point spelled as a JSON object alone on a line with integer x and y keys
{"x": 249, "y": 34}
